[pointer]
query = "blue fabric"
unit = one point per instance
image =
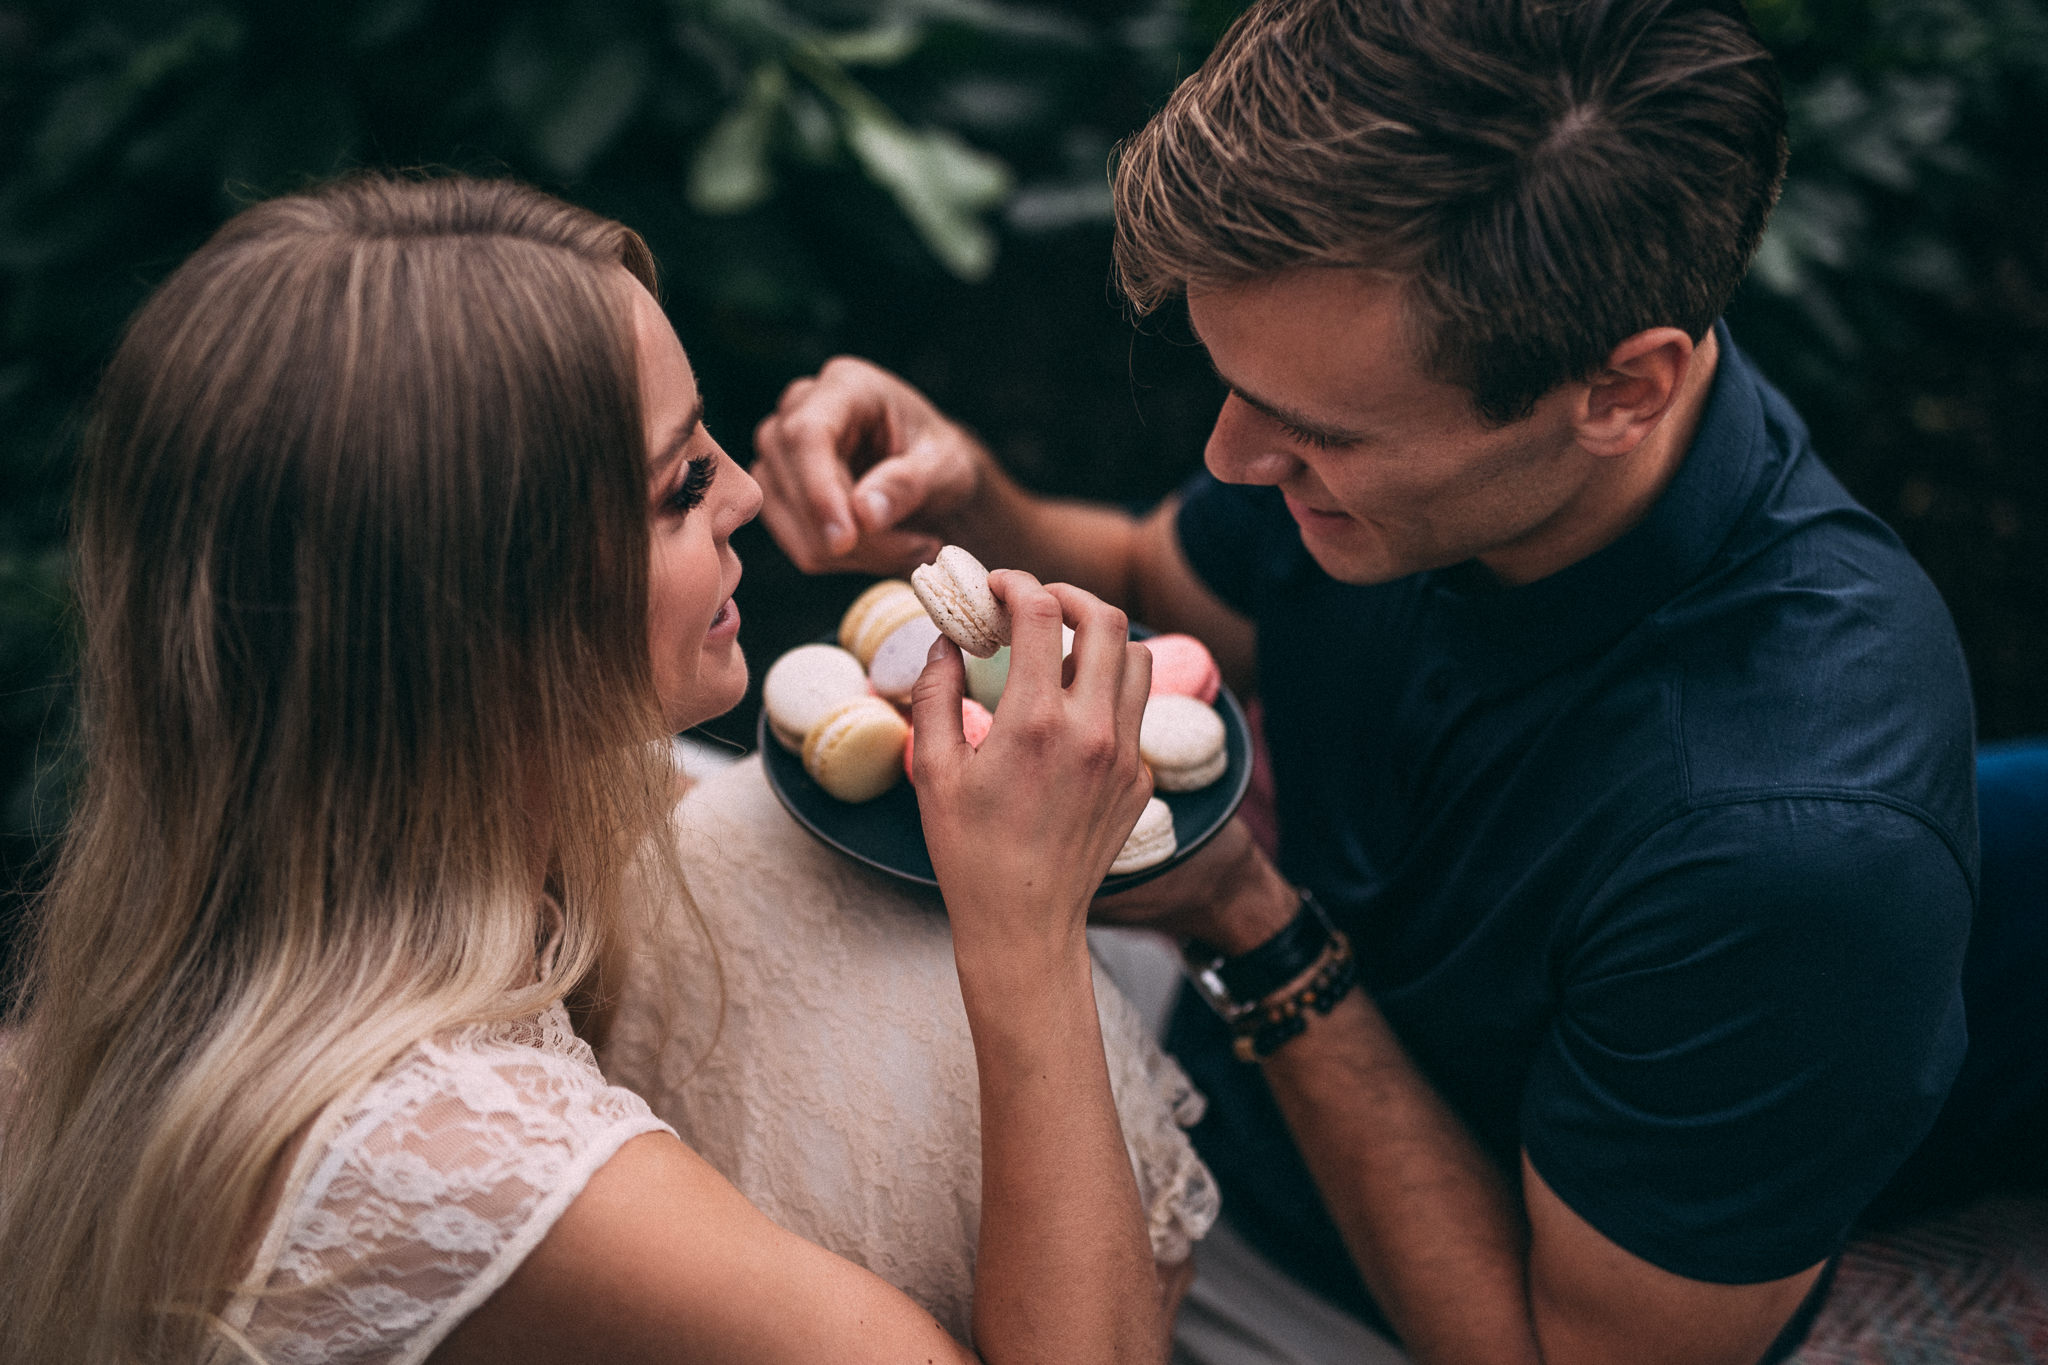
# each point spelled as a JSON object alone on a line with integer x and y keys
{"x": 1661, "y": 867}
{"x": 1993, "y": 1131}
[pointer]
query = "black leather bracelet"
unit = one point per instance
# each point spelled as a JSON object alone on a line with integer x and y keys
{"x": 1234, "y": 986}
{"x": 1284, "y": 1014}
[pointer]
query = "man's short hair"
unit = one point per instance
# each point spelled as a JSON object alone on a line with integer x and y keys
{"x": 1550, "y": 178}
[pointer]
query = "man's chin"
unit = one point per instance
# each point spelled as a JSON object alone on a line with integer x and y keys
{"x": 1353, "y": 554}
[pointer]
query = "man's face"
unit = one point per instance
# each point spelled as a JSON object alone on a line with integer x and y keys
{"x": 1387, "y": 471}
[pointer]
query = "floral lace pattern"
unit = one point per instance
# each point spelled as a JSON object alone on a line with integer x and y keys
{"x": 836, "y": 1087}
{"x": 414, "y": 1200}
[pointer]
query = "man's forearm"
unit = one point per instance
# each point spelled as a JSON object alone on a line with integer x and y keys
{"x": 1435, "y": 1230}
{"x": 1090, "y": 545}
{"x": 1433, "y": 1227}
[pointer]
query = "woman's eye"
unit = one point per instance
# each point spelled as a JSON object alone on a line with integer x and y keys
{"x": 697, "y": 476}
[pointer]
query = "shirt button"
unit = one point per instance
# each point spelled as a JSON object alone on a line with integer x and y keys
{"x": 1437, "y": 686}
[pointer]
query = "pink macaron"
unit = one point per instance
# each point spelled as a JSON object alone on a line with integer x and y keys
{"x": 974, "y": 723}
{"x": 1182, "y": 666}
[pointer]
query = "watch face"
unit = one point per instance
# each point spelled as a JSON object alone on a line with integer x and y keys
{"x": 886, "y": 833}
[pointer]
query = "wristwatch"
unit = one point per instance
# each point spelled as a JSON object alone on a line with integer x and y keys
{"x": 1263, "y": 994}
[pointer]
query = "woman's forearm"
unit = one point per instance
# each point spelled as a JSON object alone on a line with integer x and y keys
{"x": 1064, "y": 1268}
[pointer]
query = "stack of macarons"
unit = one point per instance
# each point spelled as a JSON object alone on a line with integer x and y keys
{"x": 841, "y": 706}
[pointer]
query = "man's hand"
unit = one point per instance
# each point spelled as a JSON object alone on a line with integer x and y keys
{"x": 1226, "y": 894}
{"x": 859, "y": 472}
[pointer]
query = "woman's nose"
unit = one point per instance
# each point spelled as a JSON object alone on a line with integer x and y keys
{"x": 746, "y": 503}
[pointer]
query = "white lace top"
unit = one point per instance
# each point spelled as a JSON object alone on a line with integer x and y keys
{"x": 410, "y": 1203}
{"x": 837, "y": 1086}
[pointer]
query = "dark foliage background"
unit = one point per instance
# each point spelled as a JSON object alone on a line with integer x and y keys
{"x": 921, "y": 181}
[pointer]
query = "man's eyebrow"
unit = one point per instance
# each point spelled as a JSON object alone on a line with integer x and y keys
{"x": 1286, "y": 416}
{"x": 673, "y": 447}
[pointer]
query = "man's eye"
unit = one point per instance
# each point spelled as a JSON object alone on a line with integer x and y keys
{"x": 1315, "y": 440}
{"x": 697, "y": 476}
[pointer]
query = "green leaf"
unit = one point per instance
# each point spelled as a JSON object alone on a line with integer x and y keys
{"x": 938, "y": 181}
{"x": 886, "y": 44}
{"x": 731, "y": 173}
{"x": 594, "y": 108}
{"x": 89, "y": 112}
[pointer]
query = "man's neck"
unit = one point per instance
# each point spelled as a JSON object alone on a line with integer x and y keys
{"x": 1622, "y": 490}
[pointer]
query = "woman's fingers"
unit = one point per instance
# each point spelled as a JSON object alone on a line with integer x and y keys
{"x": 1101, "y": 632}
{"x": 1134, "y": 687}
{"x": 1036, "y": 642}
{"x": 935, "y": 710}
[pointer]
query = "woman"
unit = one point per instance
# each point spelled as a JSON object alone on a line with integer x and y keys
{"x": 399, "y": 538}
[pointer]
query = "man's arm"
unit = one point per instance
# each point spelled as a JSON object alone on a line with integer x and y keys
{"x": 1467, "y": 1267}
{"x": 860, "y": 472}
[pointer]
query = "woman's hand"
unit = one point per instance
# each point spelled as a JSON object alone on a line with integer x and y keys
{"x": 1022, "y": 830}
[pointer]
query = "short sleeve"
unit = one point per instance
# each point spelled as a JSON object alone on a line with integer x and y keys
{"x": 1759, "y": 1017}
{"x": 1238, "y": 539}
{"x": 435, "y": 1185}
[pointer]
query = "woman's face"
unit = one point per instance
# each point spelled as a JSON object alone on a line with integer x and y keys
{"x": 696, "y": 498}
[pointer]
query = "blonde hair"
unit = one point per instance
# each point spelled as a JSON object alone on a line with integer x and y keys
{"x": 361, "y": 553}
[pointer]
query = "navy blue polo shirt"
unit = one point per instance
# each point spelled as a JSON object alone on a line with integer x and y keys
{"x": 1661, "y": 867}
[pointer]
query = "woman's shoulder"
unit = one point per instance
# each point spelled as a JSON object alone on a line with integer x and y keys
{"x": 412, "y": 1200}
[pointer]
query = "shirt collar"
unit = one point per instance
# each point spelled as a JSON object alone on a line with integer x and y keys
{"x": 1523, "y": 632}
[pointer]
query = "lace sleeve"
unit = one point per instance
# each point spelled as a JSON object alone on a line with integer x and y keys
{"x": 424, "y": 1194}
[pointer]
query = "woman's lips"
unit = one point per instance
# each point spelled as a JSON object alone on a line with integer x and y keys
{"x": 727, "y": 621}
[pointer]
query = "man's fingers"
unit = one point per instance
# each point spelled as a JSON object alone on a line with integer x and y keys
{"x": 789, "y": 523}
{"x": 795, "y": 393}
{"x": 928, "y": 475}
{"x": 808, "y": 443}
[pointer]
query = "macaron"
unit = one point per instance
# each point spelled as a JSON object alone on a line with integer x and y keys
{"x": 955, "y": 592}
{"x": 1181, "y": 740}
{"x": 875, "y": 615}
{"x": 1183, "y": 666}
{"x": 974, "y": 723}
{"x": 1151, "y": 842}
{"x": 900, "y": 661}
{"x": 855, "y": 751}
{"x": 986, "y": 678}
{"x": 803, "y": 685}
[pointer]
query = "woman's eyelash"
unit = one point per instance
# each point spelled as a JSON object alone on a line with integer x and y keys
{"x": 697, "y": 476}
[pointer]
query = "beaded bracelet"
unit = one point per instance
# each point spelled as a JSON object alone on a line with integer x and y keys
{"x": 1260, "y": 994}
{"x": 1259, "y": 1032}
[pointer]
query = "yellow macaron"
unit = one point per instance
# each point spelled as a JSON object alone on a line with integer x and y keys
{"x": 855, "y": 751}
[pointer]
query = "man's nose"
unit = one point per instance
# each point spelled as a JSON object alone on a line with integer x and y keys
{"x": 1244, "y": 447}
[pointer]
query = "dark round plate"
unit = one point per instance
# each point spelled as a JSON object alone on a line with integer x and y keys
{"x": 886, "y": 834}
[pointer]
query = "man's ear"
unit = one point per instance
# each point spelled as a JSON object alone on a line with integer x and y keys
{"x": 1623, "y": 403}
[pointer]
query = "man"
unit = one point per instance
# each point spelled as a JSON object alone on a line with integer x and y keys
{"x": 1631, "y": 756}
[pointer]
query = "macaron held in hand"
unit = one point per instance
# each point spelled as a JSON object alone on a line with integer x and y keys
{"x": 956, "y": 594}
{"x": 1059, "y": 769}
